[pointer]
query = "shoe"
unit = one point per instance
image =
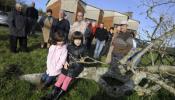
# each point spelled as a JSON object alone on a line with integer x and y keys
{"x": 51, "y": 95}
{"x": 57, "y": 97}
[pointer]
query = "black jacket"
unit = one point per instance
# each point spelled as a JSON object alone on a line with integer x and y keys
{"x": 64, "y": 26}
{"x": 17, "y": 23}
{"x": 32, "y": 13}
{"x": 74, "y": 54}
{"x": 101, "y": 34}
{"x": 122, "y": 44}
{"x": 110, "y": 35}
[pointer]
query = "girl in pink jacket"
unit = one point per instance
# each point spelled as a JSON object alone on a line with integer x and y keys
{"x": 55, "y": 60}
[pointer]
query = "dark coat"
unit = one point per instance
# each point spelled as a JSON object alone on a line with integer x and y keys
{"x": 122, "y": 44}
{"x": 110, "y": 35}
{"x": 32, "y": 13}
{"x": 101, "y": 34}
{"x": 74, "y": 54}
{"x": 64, "y": 26}
{"x": 87, "y": 33}
{"x": 17, "y": 23}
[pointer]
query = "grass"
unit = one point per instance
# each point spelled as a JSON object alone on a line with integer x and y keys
{"x": 13, "y": 65}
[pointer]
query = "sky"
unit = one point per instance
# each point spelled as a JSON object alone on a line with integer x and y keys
{"x": 120, "y": 6}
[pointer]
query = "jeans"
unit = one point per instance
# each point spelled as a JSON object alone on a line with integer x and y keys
{"x": 48, "y": 80}
{"x": 106, "y": 47}
{"x": 98, "y": 48}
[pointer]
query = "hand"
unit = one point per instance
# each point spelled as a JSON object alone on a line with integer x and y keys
{"x": 66, "y": 65}
{"x": 82, "y": 59}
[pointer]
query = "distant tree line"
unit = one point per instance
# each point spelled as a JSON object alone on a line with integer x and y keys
{"x": 7, "y": 5}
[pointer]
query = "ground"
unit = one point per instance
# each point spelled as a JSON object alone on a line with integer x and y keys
{"x": 13, "y": 65}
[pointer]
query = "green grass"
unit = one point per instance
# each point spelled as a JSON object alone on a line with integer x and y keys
{"x": 13, "y": 65}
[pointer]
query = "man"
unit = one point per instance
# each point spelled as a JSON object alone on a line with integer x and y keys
{"x": 123, "y": 42}
{"x": 79, "y": 25}
{"x": 48, "y": 24}
{"x": 116, "y": 31}
{"x": 17, "y": 23}
{"x": 32, "y": 15}
{"x": 101, "y": 36}
{"x": 63, "y": 24}
{"x": 122, "y": 45}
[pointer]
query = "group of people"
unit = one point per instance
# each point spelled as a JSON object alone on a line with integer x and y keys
{"x": 68, "y": 44}
{"x": 64, "y": 63}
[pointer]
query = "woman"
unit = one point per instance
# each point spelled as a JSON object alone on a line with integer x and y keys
{"x": 48, "y": 24}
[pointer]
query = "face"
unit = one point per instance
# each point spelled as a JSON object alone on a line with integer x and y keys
{"x": 60, "y": 43}
{"x": 77, "y": 42}
{"x": 111, "y": 30}
{"x": 80, "y": 16}
{"x": 61, "y": 14}
{"x": 118, "y": 29}
{"x": 19, "y": 8}
{"x": 88, "y": 23}
{"x": 101, "y": 25}
{"x": 49, "y": 14}
{"x": 124, "y": 28}
{"x": 33, "y": 4}
{"x": 93, "y": 24}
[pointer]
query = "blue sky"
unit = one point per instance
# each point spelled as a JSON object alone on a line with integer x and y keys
{"x": 121, "y": 6}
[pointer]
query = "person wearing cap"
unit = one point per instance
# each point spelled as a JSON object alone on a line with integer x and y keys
{"x": 63, "y": 24}
{"x": 32, "y": 17}
{"x": 48, "y": 24}
{"x": 17, "y": 22}
{"x": 122, "y": 43}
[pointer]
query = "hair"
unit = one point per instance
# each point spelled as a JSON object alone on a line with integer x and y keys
{"x": 18, "y": 5}
{"x": 49, "y": 10}
{"x": 57, "y": 37}
{"x": 101, "y": 23}
{"x": 111, "y": 28}
{"x": 77, "y": 35}
{"x": 133, "y": 34}
{"x": 33, "y": 3}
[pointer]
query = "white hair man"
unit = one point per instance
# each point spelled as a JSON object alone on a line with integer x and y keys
{"x": 17, "y": 23}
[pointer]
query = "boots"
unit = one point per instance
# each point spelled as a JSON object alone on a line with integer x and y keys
{"x": 53, "y": 94}
{"x": 57, "y": 97}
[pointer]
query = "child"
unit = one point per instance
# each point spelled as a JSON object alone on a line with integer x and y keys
{"x": 72, "y": 69}
{"x": 56, "y": 59}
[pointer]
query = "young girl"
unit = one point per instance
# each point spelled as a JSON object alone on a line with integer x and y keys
{"x": 56, "y": 59}
{"x": 72, "y": 69}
